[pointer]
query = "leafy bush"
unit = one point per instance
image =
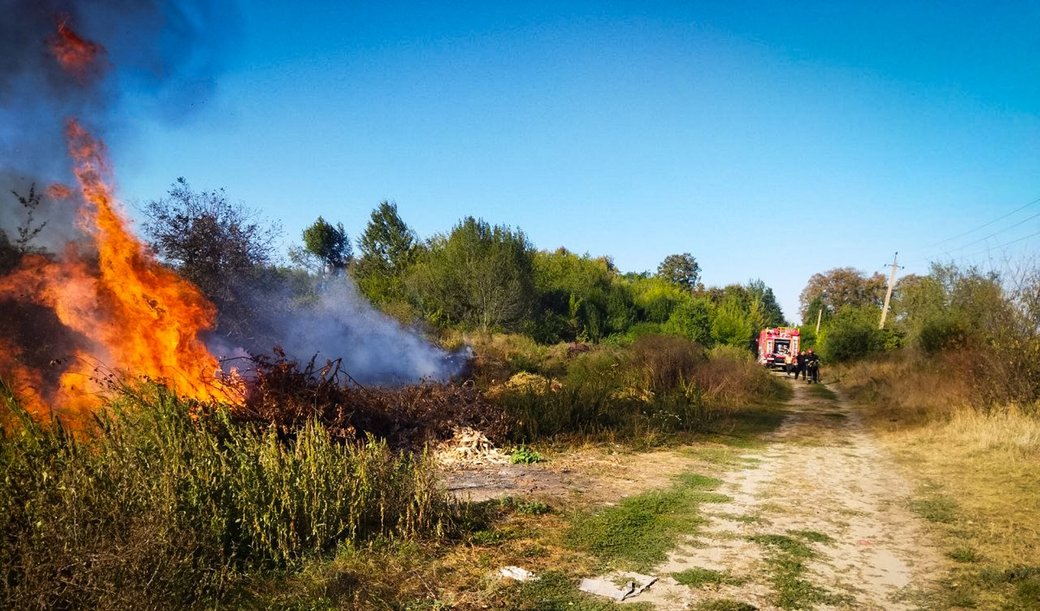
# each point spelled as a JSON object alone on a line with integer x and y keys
{"x": 854, "y": 334}
{"x": 524, "y": 455}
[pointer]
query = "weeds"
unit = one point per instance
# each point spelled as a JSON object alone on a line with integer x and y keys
{"x": 638, "y": 532}
{"x": 524, "y": 455}
{"x": 698, "y": 577}
{"x": 168, "y": 503}
{"x": 787, "y": 556}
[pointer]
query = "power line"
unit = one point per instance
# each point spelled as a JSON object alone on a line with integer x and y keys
{"x": 991, "y": 248}
{"x": 995, "y": 233}
{"x": 983, "y": 226}
{"x": 978, "y": 252}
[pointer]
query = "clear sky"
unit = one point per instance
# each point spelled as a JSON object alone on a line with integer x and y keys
{"x": 770, "y": 140}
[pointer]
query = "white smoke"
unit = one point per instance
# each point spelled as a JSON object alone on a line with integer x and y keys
{"x": 340, "y": 323}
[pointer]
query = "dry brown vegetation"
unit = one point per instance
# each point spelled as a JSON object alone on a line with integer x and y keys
{"x": 977, "y": 465}
{"x": 289, "y": 395}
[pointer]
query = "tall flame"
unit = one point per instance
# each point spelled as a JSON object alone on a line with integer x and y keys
{"x": 128, "y": 314}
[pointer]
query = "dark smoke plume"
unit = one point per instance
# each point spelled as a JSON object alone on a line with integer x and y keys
{"x": 167, "y": 53}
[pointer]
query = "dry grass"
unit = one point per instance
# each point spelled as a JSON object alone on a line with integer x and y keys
{"x": 977, "y": 466}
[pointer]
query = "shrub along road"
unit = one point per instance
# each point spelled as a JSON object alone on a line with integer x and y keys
{"x": 818, "y": 518}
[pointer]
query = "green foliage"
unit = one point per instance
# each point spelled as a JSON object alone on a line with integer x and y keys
{"x": 530, "y": 508}
{"x": 523, "y": 455}
{"x": 787, "y": 556}
{"x": 732, "y": 325}
{"x": 386, "y": 251}
{"x": 638, "y": 532}
{"x": 578, "y": 297}
{"x": 698, "y": 577}
{"x": 692, "y": 318}
{"x": 478, "y": 276}
{"x": 656, "y": 298}
{"x": 838, "y": 288}
{"x": 853, "y": 334}
{"x": 681, "y": 270}
{"x": 772, "y": 315}
{"x": 166, "y": 504}
{"x": 326, "y": 244}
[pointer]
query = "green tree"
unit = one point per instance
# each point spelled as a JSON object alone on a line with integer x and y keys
{"x": 839, "y": 287}
{"x": 682, "y": 270}
{"x": 479, "y": 276}
{"x": 386, "y": 250}
{"x": 772, "y": 315}
{"x": 853, "y": 334}
{"x": 732, "y": 324}
{"x": 219, "y": 245}
{"x": 655, "y": 298}
{"x": 577, "y": 297}
{"x": 692, "y": 318}
{"x": 325, "y": 246}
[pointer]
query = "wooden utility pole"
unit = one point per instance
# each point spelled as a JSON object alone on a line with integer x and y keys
{"x": 819, "y": 317}
{"x": 888, "y": 293}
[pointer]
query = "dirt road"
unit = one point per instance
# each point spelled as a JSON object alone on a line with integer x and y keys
{"x": 818, "y": 519}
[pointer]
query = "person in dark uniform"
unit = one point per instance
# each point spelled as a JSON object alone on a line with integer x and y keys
{"x": 812, "y": 364}
{"x": 799, "y": 365}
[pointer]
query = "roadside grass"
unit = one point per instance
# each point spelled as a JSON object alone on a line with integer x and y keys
{"x": 698, "y": 577}
{"x": 978, "y": 476}
{"x": 981, "y": 492}
{"x": 786, "y": 556}
{"x": 724, "y": 604}
{"x": 638, "y": 532}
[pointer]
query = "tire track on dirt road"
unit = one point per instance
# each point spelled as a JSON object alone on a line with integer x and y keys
{"x": 818, "y": 519}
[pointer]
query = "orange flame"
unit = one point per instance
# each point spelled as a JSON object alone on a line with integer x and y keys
{"x": 123, "y": 311}
{"x": 75, "y": 54}
{"x": 136, "y": 315}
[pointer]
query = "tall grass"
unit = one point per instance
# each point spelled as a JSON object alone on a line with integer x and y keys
{"x": 162, "y": 504}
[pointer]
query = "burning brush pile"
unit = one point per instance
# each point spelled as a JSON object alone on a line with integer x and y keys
{"x": 288, "y": 395}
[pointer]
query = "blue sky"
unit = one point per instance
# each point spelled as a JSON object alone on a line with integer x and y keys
{"x": 770, "y": 140}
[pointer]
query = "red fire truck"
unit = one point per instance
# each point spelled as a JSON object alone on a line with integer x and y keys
{"x": 775, "y": 343}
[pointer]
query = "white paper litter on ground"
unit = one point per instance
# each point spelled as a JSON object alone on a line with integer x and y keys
{"x": 517, "y": 573}
{"x": 634, "y": 585}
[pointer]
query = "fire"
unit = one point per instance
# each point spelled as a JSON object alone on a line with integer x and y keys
{"x": 59, "y": 191}
{"x": 115, "y": 312}
{"x": 75, "y": 54}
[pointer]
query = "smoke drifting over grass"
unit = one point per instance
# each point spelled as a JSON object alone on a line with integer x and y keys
{"x": 336, "y": 322}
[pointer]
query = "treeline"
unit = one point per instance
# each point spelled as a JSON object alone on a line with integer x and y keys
{"x": 474, "y": 277}
{"x": 981, "y": 327}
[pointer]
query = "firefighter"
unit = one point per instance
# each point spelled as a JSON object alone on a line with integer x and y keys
{"x": 800, "y": 365}
{"x": 812, "y": 364}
